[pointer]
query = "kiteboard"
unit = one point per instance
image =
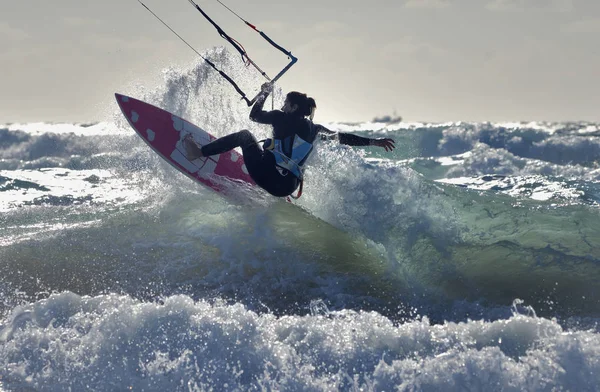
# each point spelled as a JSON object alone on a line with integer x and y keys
{"x": 165, "y": 132}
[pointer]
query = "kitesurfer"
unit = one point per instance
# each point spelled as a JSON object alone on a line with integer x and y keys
{"x": 278, "y": 165}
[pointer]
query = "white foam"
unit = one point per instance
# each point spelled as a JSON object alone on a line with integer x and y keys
{"x": 107, "y": 342}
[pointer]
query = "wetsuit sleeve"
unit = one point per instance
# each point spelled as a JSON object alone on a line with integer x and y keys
{"x": 353, "y": 140}
{"x": 257, "y": 114}
{"x": 344, "y": 138}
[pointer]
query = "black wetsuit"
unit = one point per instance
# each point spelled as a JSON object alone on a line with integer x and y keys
{"x": 260, "y": 163}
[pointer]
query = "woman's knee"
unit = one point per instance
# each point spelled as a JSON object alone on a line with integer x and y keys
{"x": 246, "y": 138}
{"x": 246, "y": 134}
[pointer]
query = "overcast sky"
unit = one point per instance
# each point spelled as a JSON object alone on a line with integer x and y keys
{"x": 429, "y": 60}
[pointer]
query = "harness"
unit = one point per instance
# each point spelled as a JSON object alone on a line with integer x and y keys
{"x": 290, "y": 155}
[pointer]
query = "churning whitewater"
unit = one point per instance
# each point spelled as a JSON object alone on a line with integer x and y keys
{"x": 467, "y": 259}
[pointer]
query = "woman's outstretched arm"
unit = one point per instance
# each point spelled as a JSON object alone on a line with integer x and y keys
{"x": 355, "y": 140}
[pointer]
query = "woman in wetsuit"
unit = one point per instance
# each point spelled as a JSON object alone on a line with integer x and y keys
{"x": 278, "y": 166}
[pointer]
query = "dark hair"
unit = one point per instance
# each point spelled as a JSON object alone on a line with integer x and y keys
{"x": 305, "y": 103}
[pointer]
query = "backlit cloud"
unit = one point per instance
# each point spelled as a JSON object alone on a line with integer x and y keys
{"x": 583, "y": 26}
{"x": 528, "y": 5}
{"x": 427, "y": 3}
{"x": 79, "y": 22}
{"x": 411, "y": 45}
{"x": 9, "y": 33}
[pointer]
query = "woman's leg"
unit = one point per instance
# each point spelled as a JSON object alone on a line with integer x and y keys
{"x": 243, "y": 139}
{"x": 261, "y": 166}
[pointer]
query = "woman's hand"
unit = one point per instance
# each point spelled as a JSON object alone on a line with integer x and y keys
{"x": 386, "y": 143}
{"x": 266, "y": 87}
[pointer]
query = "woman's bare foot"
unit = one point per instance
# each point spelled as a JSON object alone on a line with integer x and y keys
{"x": 192, "y": 149}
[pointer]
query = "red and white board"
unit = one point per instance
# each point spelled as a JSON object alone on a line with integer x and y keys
{"x": 164, "y": 132}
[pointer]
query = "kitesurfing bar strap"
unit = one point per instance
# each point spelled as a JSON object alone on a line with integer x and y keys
{"x": 285, "y": 51}
{"x": 234, "y": 84}
{"x": 242, "y": 51}
{"x": 220, "y": 30}
{"x": 232, "y": 41}
{"x": 276, "y": 78}
{"x": 278, "y": 47}
{"x": 223, "y": 74}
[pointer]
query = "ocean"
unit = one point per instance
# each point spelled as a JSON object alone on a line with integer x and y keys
{"x": 467, "y": 259}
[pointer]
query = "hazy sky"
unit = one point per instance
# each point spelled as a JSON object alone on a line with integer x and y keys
{"x": 429, "y": 60}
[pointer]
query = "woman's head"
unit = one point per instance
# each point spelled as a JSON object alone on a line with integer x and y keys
{"x": 299, "y": 103}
